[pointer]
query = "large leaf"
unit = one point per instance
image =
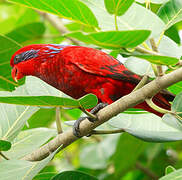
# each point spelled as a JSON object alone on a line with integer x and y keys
{"x": 176, "y": 88}
{"x": 139, "y": 66}
{"x": 147, "y": 127}
{"x": 176, "y": 175}
{"x": 73, "y": 175}
{"x": 87, "y": 102}
{"x": 95, "y": 156}
{"x": 12, "y": 117}
{"x": 7, "y": 48}
{"x": 153, "y": 1}
{"x": 127, "y": 152}
{"x": 161, "y": 60}
{"x": 4, "y": 145}
{"x": 76, "y": 10}
{"x": 171, "y": 12}
{"x": 29, "y": 140}
{"x": 137, "y": 17}
{"x": 177, "y": 104}
{"x": 27, "y": 32}
{"x": 113, "y": 39}
{"x": 118, "y": 7}
{"x": 22, "y": 169}
{"x": 37, "y": 87}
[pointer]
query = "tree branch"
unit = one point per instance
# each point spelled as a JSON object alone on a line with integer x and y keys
{"x": 57, "y": 23}
{"x": 128, "y": 101}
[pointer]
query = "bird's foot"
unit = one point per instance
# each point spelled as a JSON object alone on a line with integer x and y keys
{"x": 76, "y": 126}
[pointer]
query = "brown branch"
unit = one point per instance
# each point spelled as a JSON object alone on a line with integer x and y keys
{"x": 128, "y": 101}
{"x": 147, "y": 171}
{"x": 155, "y": 48}
{"x": 57, "y": 23}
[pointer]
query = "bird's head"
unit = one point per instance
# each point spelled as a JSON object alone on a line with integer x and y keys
{"x": 27, "y": 60}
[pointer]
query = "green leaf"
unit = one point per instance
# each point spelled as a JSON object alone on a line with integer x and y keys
{"x": 88, "y": 101}
{"x": 176, "y": 88}
{"x": 173, "y": 33}
{"x": 172, "y": 121}
{"x": 5, "y": 145}
{"x": 45, "y": 176}
{"x": 127, "y": 152}
{"x": 75, "y": 11}
{"x": 139, "y": 66}
{"x": 7, "y": 49}
{"x": 177, "y": 175}
{"x": 42, "y": 118}
{"x": 153, "y": 1}
{"x": 13, "y": 117}
{"x": 28, "y": 141}
{"x": 113, "y": 39}
{"x": 73, "y": 175}
{"x": 27, "y": 32}
{"x": 177, "y": 104}
{"x": 171, "y": 12}
{"x": 96, "y": 156}
{"x": 37, "y": 87}
{"x": 51, "y": 101}
{"x": 147, "y": 127}
{"x": 118, "y": 7}
{"x": 169, "y": 169}
{"x": 22, "y": 169}
{"x": 129, "y": 21}
{"x": 156, "y": 59}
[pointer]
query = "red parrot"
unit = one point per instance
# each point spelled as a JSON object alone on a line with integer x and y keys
{"x": 77, "y": 71}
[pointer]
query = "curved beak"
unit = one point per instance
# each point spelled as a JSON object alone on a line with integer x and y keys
{"x": 16, "y": 74}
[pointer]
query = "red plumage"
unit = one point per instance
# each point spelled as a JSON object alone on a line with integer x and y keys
{"x": 77, "y": 71}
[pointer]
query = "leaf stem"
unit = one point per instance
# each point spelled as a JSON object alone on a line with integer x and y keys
{"x": 155, "y": 48}
{"x": 58, "y": 121}
{"x": 1, "y": 154}
{"x": 141, "y": 83}
{"x": 114, "y": 131}
{"x": 155, "y": 107}
{"x": 116, "y": 23}
{"x": 88, "y": 113}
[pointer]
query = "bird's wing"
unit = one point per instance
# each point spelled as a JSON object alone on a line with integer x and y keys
{"x": 99, "y": 63}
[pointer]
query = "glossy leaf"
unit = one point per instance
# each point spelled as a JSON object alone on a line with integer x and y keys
{"x": 177, "y": 104}
{"x": 177, "y": 175}
{"x": 127, "y": 152}
{"x": 28, "y": 141}
{"x": 147, "y": 127}
{"x": 88, "y": 101}
{"x": 37, "y": 87}
{"x": 161, "y": 60}
{"x": 128, "y": 21}
{"x": 153, "y": 1}
{"x": 113, "y": 39}
{"x": 13, "y": 117}
{"x": 27, "y": 32}
{"x": 176, "y": 88}
{"x": 169, "y": 169}
{"x": 7, "y": 48}
{"x": 96, "y": 156}
{"x": 4, "y": 145}
{"x": 139, "y": 66}
{"x": 117, "y": 7}
{"x": 75, "y": 11}
{"x": 22, "y": 169}
{"x": 171, "y": 12}
{"x": 73, "y": 175}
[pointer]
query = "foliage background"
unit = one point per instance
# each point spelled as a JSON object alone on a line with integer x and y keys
{"x": 120, "y": 156}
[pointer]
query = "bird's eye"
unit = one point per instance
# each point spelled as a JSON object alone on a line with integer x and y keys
{"x": 17, "y": 59}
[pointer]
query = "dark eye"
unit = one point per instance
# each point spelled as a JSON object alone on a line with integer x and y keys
{"x": 17, "y": 59}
